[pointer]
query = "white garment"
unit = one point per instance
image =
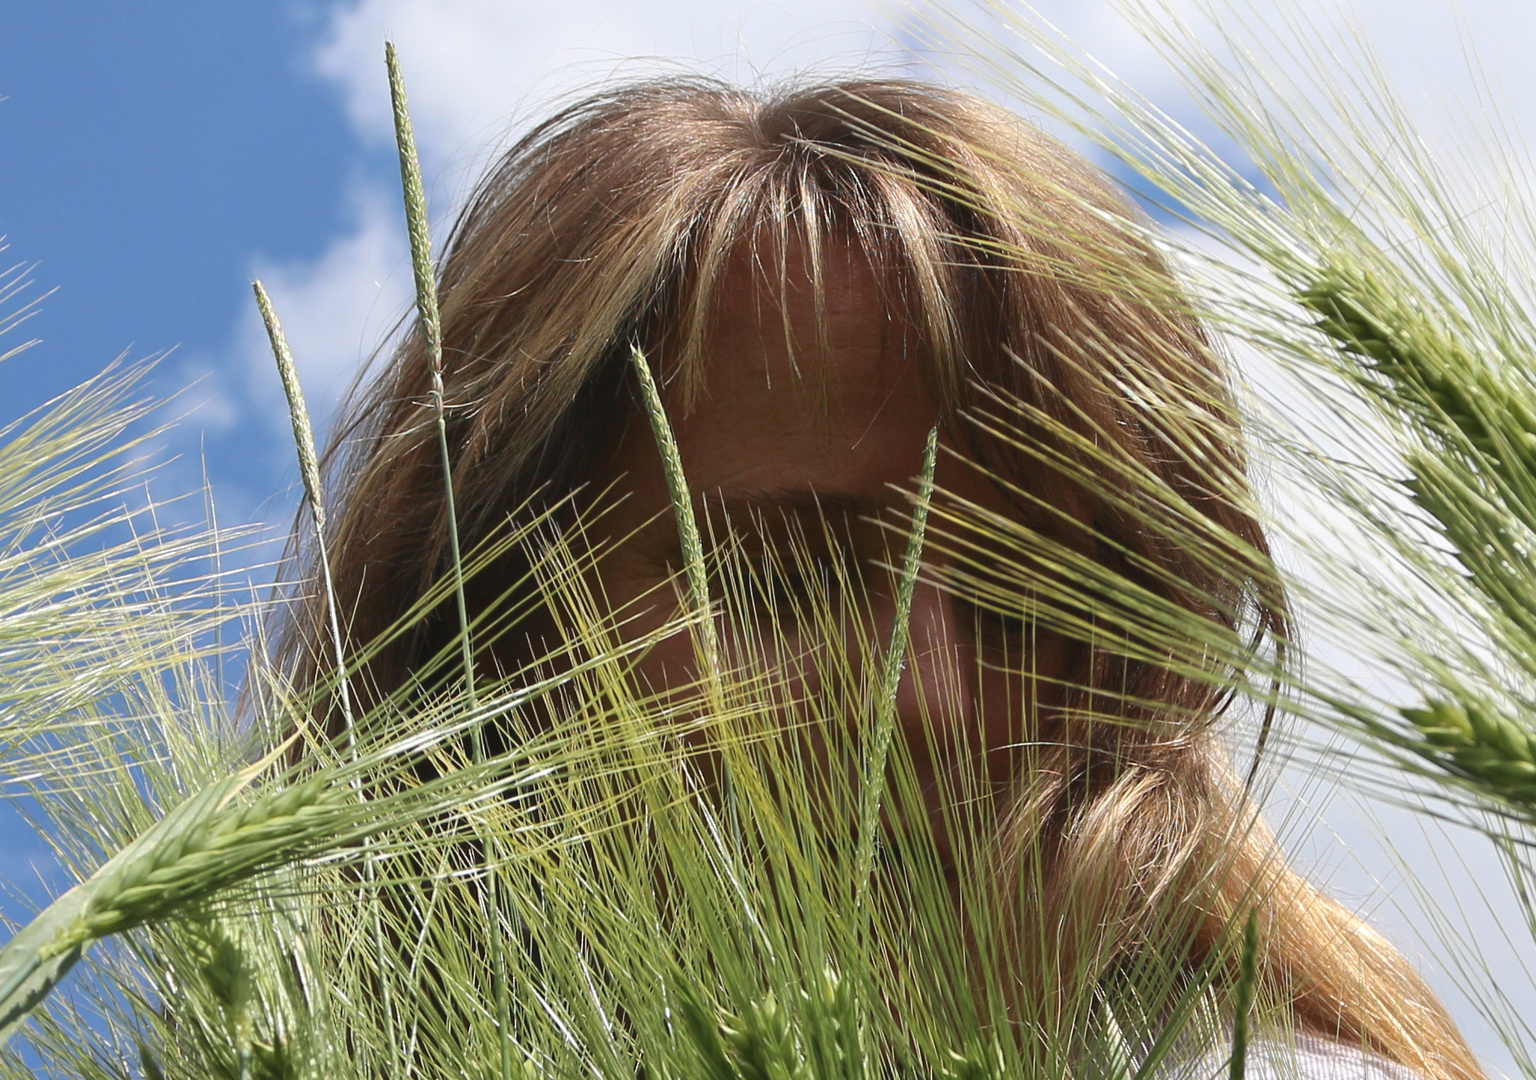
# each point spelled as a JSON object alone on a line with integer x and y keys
{"x": 1304, "y": 1057}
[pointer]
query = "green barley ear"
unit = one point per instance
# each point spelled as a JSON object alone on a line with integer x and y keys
{"x": 414, "y": 191}
{"x": 1459, "y": 396}
{"x": 835, "y": 1028}
{"x": 309, "y": 470}
{"x": 1494, "y": 753}
{"x": 890, "y": 675}
{"x": 148, "y": 1064}
{"x": 695, "y": 1024}
{"x": 762, "y": 1043}
{"x": 298, "y": 411}
{"x": 231, "y": 979}
{"x": 688, "y": 536}
{"x": 200, "y": 848}
{"x": 425, "y": 274}
{"x": 1243, "y": 998}
{"x": 980, "y": 1060}
{"x": 224, "y": 968}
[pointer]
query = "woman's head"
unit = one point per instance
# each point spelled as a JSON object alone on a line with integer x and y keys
{"x": 685, "y": 219}
{"x": 818, "y": 278}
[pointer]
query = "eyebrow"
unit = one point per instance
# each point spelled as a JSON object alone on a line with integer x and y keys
{"x": 802, "y": 503}
{"x": 803, "y": 506}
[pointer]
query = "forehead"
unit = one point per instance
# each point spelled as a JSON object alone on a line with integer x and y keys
{"x": 809, "y": 381}
{"x": 806, "y": 288}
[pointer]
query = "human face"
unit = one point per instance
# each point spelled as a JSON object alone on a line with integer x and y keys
{"x": 782, "y": 442}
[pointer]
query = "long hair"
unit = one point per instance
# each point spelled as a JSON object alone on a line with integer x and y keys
{"x": 1026, "y": 280}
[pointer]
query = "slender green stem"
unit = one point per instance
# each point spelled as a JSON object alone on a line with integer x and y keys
{"x": 431, "y": 333}
{"x": 687, "y": 523}
{"x": 432, "y": 337}
{"x": 1247, "y": 986}
{"x": 309, "y": 469}
{"x": 890, "y": 675}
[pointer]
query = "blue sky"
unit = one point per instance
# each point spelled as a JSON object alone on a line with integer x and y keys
{"x": 146, "y": 161}
{"x": 154, "y": 157}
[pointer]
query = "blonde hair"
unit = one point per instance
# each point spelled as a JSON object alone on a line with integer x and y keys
{"x": 612, "y": 225}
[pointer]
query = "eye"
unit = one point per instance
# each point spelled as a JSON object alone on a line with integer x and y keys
{"x": 793, "y": 586}
{"x": 794, "y": 564}
{"x": 988, "y": 623}
{"x": 1001, "y": 622}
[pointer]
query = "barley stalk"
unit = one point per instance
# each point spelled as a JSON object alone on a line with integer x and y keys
{"x": 430, "y": 321}
{"x": 198, "y": 849}
{"x": 425, "y": 273}
{"x": 309, "y": 470}
{"x": 689, "y": 540}
{"x": 1243, "y": 998}
{"x": 890, "y": 675}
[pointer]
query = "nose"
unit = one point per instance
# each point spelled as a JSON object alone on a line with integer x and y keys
{"x": 937, "y": 697}
{"x": 967, "y": 692}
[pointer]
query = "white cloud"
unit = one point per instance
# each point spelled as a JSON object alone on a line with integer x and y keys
{"x": 335, "y": 309}
{"x": 476, "y": 71}
{"x": 473, "y": 65}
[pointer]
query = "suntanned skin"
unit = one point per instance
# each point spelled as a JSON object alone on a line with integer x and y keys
{"x": 839, "y": 441}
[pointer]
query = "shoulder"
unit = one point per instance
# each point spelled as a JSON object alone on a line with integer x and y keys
{"x": 1298, "y": 1057}
{"x": 1313, "y": 1057}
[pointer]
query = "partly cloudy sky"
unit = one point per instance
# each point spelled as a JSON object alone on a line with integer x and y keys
{"x": 154, "y": 158}
{"x": 152, "y": 164}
